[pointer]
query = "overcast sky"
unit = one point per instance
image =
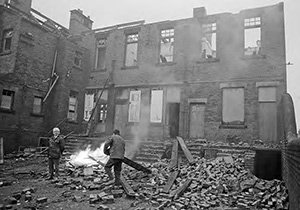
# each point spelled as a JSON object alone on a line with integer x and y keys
{"x": 106, "y": 13}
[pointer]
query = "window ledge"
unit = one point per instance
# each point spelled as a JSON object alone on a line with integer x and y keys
{"x": 208, "y": 60}
{"x": 36, "y": 115}
{"x": 7, "y": 52}
{"x": 233, "y": 126}
{"x": 166, "y": 64}
{"x": 10, "y": 111}
{"x": 99, "y": 70}
{"x": 250, "y": 57}
{"x": 72, "y": 121}
{"x": 129, "y": 67}
{"x": 77, "y": 67}
{"x": 156, "y": 124}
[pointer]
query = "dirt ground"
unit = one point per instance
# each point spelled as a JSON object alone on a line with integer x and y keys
{"x": 20, "y": 174}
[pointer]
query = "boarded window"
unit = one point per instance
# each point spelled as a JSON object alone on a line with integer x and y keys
{"x": 233, "y": 106}
{"x": 209, "y": 40}
{"x": 72, "y": 112}
{"x": 37, "y": 105}
{"x": 78, "y": 58}
{"x": 134, "y": 106}
{"x": 7, "y": 40}
{"x": 252, "y": 36}
{"x": 131, "y": 49}
{"x": 88, "y": 106}
{"x": 7, "y": 99}
{"x": 267, "y": 94}
{"x": 156, "y": 106}
{"x": 166, "y": 45}
{"x": 100, "y": 54}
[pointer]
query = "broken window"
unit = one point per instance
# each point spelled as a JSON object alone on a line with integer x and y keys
{"x": 209, "y": 40}
{"x": 78, "y": 58}
{"x": 102, "y": 113}
{"x": 166, "y": 46}
{"x": 252, "y": 36}
{"x": 233, "y": 106}
{"x": 72, "y": 113}
{"x": 156, "y": 106}
{"x": 37, "y": 105}
{"x": 100, "y": 54}
{"x": 88, "y": 106}
{"x": 134, "y": 106}
{"x": 7, "y": 99}
{"x": 131, "y": 49}
{"x": 7, "y": 40}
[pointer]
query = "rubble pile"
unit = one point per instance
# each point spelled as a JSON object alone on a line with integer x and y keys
{"x": 205, "y": 184}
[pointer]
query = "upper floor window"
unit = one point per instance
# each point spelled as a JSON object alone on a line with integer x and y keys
{"x": 131, "y": 49}
{"x": 7, "y": 99}
{"x": 7, "y": 40}
{"x": 166, "y": 45}
{"x": 78, "y": 58}
{"x": 100, "y": 54}
{"x": 37, "y": 105}
{"x": 209, "y": 40}
{"x": 252, "y": 36}
{"x": 72, "y": 111}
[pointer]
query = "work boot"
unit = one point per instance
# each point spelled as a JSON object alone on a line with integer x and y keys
{"x": 49, "y": 178}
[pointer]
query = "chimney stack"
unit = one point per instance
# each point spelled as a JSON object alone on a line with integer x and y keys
{"x": 79, "y": 22}
{"x": 199, "y": 12}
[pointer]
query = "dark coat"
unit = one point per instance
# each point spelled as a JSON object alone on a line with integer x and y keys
{"x": 56, "y": 146}
{"x": 116, "y": 147}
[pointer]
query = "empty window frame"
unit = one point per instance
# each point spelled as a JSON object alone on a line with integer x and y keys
{"x": 37, "y": 105}
{"x": 100, "y": 54}
{"x": 7, "y": 99}
{"x": 7, "y": 40}
{"x": 131, "y": 49}
{"x": 88, "y": 106}
{"x": 233, "y": 106}
{"x": 134, "y": 106}
{"x": 166, "y": 45}
{"x": 156, "y": 106}
{"x": 252, "y": 36}
{"x": 78, "y": 59}
{"x": 73, "y": 102}
{"x": 209, "y": 41}
{"x": 102, "y": 113}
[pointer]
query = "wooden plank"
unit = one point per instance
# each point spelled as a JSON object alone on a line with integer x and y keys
{"x": 128, "y": 190}
{"x": 178, "y": 192}
{"x": 170, "y": 182}
{"x": 136, "y": 166}
{"x": 174, "y": 157}
{"x": 185, "y": 150}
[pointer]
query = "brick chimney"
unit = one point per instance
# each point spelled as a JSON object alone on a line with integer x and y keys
{"x": 79, "y": 22}
{"x": 23, "y": 5}
{"x": 199, "y": 12}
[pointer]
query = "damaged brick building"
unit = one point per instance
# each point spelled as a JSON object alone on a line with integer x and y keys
{"x": 205, "y": 77}
{"x": 43, "y": 72}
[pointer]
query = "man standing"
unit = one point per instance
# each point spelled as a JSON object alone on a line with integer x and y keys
{"x": 115, "y": 147}
{"x": 56, "y": 148}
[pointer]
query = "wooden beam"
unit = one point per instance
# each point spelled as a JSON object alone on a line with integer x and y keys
{"x": 128, "y": 190}
{"x": 185, "y": 150}
{"x": 174, "y": 157}
{"x": 136, "y": 166}
{"x": 170, "y": 182}
{"x": 178, "y": 192}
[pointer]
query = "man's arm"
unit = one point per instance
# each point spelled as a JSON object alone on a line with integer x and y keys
{"x": 107, "y": 146}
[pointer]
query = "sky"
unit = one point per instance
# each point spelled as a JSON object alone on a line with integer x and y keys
{"x": 106, "y": 13}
